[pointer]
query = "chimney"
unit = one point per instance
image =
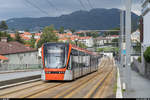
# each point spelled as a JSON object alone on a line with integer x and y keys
{"x": 3, "y": 39}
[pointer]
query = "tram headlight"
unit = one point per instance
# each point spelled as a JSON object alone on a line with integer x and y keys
{"x": 59, "y": 72}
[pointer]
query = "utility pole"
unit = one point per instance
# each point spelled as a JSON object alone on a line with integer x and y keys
{"x": 128, "y": 44}
{"x": 121, "y": 36}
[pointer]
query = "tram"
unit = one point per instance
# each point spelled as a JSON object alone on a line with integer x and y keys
{"x": 64, "y": 61}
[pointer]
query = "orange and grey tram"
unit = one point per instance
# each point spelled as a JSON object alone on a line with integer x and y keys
{"x": 64, "y": 61}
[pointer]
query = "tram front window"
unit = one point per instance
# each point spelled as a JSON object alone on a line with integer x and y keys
{"x": 55, "y": 57}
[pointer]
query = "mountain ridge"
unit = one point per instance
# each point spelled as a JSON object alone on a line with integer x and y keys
{"x": 94, "y": 19}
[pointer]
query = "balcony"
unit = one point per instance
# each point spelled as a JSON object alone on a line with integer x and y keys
{"x": 144, "y": 2}
{"x": 145, "y": 9}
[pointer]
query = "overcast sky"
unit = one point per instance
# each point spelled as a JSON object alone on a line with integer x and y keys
{"x": 51, "y": 8}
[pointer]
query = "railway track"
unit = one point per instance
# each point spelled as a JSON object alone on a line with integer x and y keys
{"x": 73, "y": 87}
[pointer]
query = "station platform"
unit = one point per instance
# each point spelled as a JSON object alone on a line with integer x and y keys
{"x": 7, "y": 78}
{"x": 16, "y": 71}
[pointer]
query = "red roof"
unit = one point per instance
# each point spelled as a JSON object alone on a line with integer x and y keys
{"x": 12, "y": 35}
{"x": 78, "y": 32}
{"x": 3, "y": 57}
{"x": 13, "y": 47}
{"x": 37, "y": 34}
{"x": 25, "y": 38}
{"x": 27, "y": 45}
{"x": 83, "y": 38}
{"x": 27, "y": 33}
{"x": 115, "y": 36}
{"x": 101, "y": 38}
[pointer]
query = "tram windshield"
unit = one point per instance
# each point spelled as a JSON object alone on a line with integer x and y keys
{"x": 55, "y": 56}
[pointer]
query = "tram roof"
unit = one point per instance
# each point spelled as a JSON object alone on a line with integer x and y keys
{"x": 83, "y": 50}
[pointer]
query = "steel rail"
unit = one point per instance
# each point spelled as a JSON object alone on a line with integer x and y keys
{"x": 51, "y": 89}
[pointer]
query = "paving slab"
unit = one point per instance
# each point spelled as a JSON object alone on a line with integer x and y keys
{"x": 140, "y": 86}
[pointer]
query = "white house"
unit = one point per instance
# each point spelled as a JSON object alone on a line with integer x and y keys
{"x": 88, "y": 41}
{"x": 135, "y": 36}
{"x": 146, "y": 27}
{"x": 17, "y": 53}
{"x": 37, "y": 35}
{"x": 27, "y": 34}
{"x": 101, "y": 41}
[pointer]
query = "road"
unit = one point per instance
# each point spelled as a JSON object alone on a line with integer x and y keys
{"x": 100, "y": 84}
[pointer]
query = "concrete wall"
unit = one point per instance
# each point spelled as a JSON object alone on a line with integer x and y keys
{"x": 143, "y": 70}
{"x": 24, "y": 58}
{"x": 147, "y": 70}
{"x": 137, "y": 66}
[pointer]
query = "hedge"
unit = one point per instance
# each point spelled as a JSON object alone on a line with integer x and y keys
{"x": 147, "y": 55}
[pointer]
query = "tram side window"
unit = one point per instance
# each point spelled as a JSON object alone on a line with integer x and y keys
{"x": 80, "y": 59}
{"x": 74, "y": 54}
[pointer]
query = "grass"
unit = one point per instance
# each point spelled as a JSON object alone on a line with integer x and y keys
{"x": 115, "y": 86}
{"x": 123, "y": 90}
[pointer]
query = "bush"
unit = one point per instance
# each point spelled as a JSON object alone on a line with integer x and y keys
{"x": 147, "y": 55}
{"x": 139, "y": 59}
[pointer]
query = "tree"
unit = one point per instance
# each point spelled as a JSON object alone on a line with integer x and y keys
{"x": 18, "y": 38}
{"x": 147, "y": 55}
{"x": 95, "y": 34}
{"x": 26, "y": 30}
{"x": 137, "y": 48}
{"x": 5, "y": 34}
{"x": 3, "y": 26}
{"x": 61, "y": 30}
{"x": 115, "y": 42}
{"x": 113, "y": 32}
{"x": 79, "y": 44}
{"x": 72, "y": 30}
{"x": 48, "y": 36}
{"x": 100, "y": 50}
{"x": 32, "y": 41}
{"x": 82, "y": 45}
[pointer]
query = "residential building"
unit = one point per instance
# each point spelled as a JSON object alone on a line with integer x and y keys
{"x": 66, "y": 37}
{"x": 135, "y": 36}
{"x": 67, "y": 31}
{"x": 27, "y": 36}
{"x": 17, "y": 53}
{"x": 3, "y": 59}
{"x": 101, "y": 41}
{"x": 145, "y": 32}
{"x": 111, "y": 37}
{"x": 12, "y": 35}
{"x": 37, "y": 35}
{"x": 88, "y": 41}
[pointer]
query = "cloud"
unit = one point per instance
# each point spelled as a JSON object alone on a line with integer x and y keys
{"x": 21, "y": 8}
